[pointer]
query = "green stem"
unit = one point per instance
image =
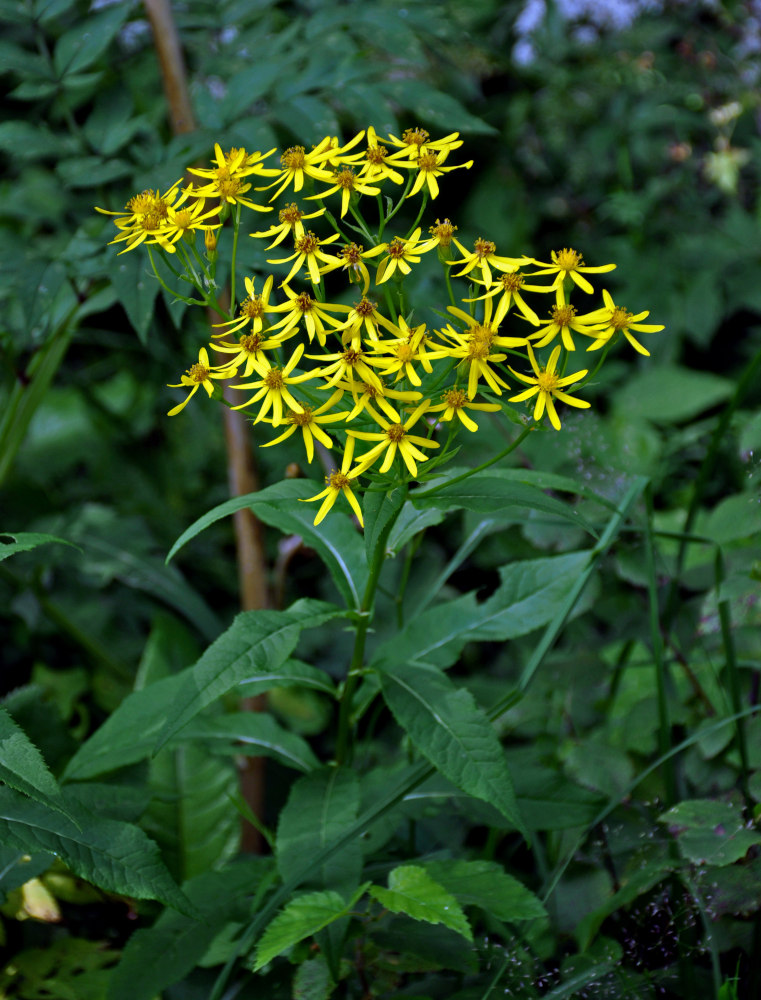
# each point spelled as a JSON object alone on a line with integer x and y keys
{"x": 396, "y": 208}
{"x": 236, "y": 231}
{"x": 175, "y": 295}
{"x": 414, "y": 225}
{"x": 656, "y": 641}
{"x": 733, "y": 676}
{"x": 448, "y": 279}
{"x": 479, "y": 468}
{"x": 343, "y": 748}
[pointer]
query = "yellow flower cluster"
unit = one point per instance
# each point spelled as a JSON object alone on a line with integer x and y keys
{"x": 375, "y": 376}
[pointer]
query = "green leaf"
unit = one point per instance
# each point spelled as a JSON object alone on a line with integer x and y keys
{"x": 710, "y": 832}
{"x": 301, "y": 918}
{"x": 530, "y": 595}
{"x": 487, "y": 885}
{"x": 117, "y": 857}
{"x": 411, "y": 890}
{"x": 446, "y": 725}
{"x": 259, "y": 735}
{"x": 412, "y": 521}
{"x": 256, "y": 641}
{"x": 669, "y": 394}
{"x": 161, "y": 955}
{"x": 137, "y": 288}
{"x": 189, "y": 816}
{"x": 321, "y": 806}
{"x": 22, "y": 766}
{"x": 281, "y": 506}
{"x": 154, "y": 577}
{"x": 293, "y": 673}
{"x": 24, "y": 541}
{"x": 377, "y": 510}
{"x": 79, "y": 47}
{"x": 488, "y": 493}
{"x": 129, "y": 733}
{"x": 312, "y": 980}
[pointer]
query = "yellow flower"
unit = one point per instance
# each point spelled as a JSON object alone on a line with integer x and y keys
{"x": 394, "y": 437}
{"x": 308, "y": 422}
{"x": 350, "y": 260}
{"x": 547, "y": 387}
{"x": 145, "y": 219}
{"x": 570, "y": 263}
{"x": 401, "y": 252}
{"x": 486, "y": 330}
{"x": 297, "y": 165}
{"x": 290, "y": 222}
{"x": 416, "y": 141}
{"x": 337, "y": 483}
{"x": 376, "y": 163}
{"x": 315, "y": 315}
{"x": 250, "y": 349}
{"x": 615, "y": 319}
{"x": 274, "y": 387}
{"x": 483, "y": 254}
{"x": 307, "y": 249}
{"x": 563, "y": 319}
{"x": 511, "y": 284}
{"x": 365, "y": 394}
{"x": 227, "y": 180}
{"x": 365, "y": 314}
{"x": 345, "y": 365}
{"x": 406, "y": 350}
{"x": 347, "y": 182}
{"x": 199, "y": 374}
{"x": 455, "y": 404}
{"x": 252, "y": 309}
{"x": 430, "y": 165}
{"x": 181, "y": 222}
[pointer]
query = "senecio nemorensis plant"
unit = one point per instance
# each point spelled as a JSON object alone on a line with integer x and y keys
{"x": 392, "y": 388}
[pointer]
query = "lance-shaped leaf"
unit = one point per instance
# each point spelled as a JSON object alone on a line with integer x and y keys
{"x": 490, "y": 493}
{"x": 335, "y": 539}
{"x": 24, "y": 541}
{"x": 447, "y": 726}
{"x": 115, "y": 856}
{"x": 379, "y": 511}
{"x": 256, "y": 641}
{"x": 300, "y": 919}
{"x": 256, "y": 733}
{"x": 320, "y": 808}
{"x": 531, "y": 593}
{"x": 22, "y": 766}
{"x": 129, "y": 734}
{"x": 411, "y": 890}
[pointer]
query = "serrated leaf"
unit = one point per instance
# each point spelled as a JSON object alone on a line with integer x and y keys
{"x": 301, "y": 918}
{"x": 163, "y": 954}
{"x": 22, "y": 765}
{"x": 487, "y": 885}
{"x": 410, "y": 522}
{"x": 293, "y": 673}
{"x": 312, "y": 980}
{"x": 117, "y": 857}
{"x": 336, "y": 540}
{"x": 411, "y": 890}
{"x": 24, "y": 541}
{"x": 452, "y": 732}
{"x": 709, "y": 831}
{"x": 256, "y": 641}
{"x": 256, "y": 733}
{"x": 137, "y": 288}
{"x": 320, "y": 807}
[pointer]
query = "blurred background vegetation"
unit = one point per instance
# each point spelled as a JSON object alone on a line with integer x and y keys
{"x": 627, "y": 130}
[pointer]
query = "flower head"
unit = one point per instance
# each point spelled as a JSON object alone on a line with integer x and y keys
{"x": 615, "y": 319}
{"x": 547, "y": 387}
{"x": 338, "y": 483}
{"x": 199, "y": 374}
{"x": 570, "y": 263}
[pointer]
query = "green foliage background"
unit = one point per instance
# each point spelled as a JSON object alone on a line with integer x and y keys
{"x": 611, "y": 141}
